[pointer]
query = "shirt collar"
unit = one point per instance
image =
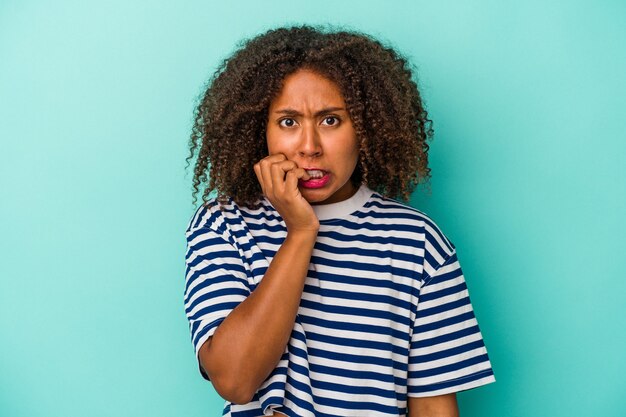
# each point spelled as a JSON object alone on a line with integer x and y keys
{"x": 343, "y": 208}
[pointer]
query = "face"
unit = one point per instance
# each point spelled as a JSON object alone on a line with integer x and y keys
{"x": 308, "y": 122}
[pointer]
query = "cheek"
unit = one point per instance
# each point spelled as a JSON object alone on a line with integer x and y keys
{"x": 345, "y": 156}
{"x": 275, "y": 146}
{"x": 281, "y": 142}
{"x": 272, "y": 141}
{"x": 351, "y": 150}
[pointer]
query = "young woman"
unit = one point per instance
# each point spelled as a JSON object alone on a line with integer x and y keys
{"x": 310, "y": 290}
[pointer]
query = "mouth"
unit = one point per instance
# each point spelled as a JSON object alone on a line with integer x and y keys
{"x": 315, "y": 173}
{"x": 318, "y": 178}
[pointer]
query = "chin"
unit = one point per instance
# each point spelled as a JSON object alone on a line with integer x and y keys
{"x": 315, "y": 195}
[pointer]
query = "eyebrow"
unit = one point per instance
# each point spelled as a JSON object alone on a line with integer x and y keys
{"x": 292, "y": 112}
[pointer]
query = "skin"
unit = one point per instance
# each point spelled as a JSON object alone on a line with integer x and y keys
{"x": 437, "y": 406}
{"x": 308, "y": 127}
{"x": 309, "y": 124}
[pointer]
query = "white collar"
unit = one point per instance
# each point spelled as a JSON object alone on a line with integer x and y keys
{"x": 343, "y": 208}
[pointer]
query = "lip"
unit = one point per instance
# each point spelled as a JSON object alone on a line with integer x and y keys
{"x": 317, "y": 182}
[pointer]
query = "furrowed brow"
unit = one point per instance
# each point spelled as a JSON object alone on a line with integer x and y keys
{"x": 288, "y": 112}
{"x": 292, "y": 112}
{"x": 329, "y": 110}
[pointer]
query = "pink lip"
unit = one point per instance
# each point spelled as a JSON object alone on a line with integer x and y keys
{"x": 317, "y": 182}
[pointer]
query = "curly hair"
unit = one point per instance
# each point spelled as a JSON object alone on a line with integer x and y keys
{"x": 391, "y": 123}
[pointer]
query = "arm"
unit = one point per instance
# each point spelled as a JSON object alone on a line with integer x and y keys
{"x": 438, "y": 406}
{"x": 248, "y": 344}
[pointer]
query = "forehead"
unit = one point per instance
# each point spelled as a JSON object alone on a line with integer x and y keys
{"x": 309, "y": 89}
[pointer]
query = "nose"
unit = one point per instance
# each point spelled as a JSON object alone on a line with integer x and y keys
{"x": 310, "y": 144}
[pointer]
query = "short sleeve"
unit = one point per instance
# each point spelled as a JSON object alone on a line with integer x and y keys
{"x": 447, "y": 353}
{"x": 215, "y": 283}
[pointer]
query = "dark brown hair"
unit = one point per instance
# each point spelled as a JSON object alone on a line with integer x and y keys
{"x": 382, "y": 99}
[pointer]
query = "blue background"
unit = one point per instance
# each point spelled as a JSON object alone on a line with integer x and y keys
{"x": 529, "y": 156}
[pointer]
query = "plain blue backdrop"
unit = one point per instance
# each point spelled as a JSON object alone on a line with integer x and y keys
{"x": 529, "y": 156}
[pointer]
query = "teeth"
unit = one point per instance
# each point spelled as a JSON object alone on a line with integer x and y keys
{"x": 315, "y": 173}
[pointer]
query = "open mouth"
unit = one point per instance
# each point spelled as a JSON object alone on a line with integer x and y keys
{"x": 315, "y": 173}
{"x": 318, "y": 179}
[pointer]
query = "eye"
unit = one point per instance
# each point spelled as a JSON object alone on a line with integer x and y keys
{"x": 331, "y": 120}
{"x": 287, "y": 122}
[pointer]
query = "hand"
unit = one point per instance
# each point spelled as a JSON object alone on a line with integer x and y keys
{"x": 279, "y": 177}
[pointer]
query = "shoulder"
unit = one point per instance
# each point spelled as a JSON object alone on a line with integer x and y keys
{"x": 208, "y": 215}
{"x": 437, "y": 245}
{"x": 222, "y": 217}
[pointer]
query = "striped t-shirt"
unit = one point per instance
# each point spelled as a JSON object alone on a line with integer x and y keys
{"x": 385, "y": 312}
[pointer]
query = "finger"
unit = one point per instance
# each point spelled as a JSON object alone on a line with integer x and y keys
{"x": 291, "y": 183}
{"x": 259, "y": 175}
{"x": 276, "y": 157}
{"x": 305, "y": 175}
{"x": 278, "y": 174}
{"x": 271, "y": 159}
{"x": 266, "y": 175}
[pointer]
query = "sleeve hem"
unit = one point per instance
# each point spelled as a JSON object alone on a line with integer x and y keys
{"x": 475, "y": 380}
{"x": 212, "y": 328}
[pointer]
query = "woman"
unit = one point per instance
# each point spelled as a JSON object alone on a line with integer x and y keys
{"x": 310, "y": 291}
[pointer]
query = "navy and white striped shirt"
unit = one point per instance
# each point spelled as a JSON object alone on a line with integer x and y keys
{"x": 385, "y": 312}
